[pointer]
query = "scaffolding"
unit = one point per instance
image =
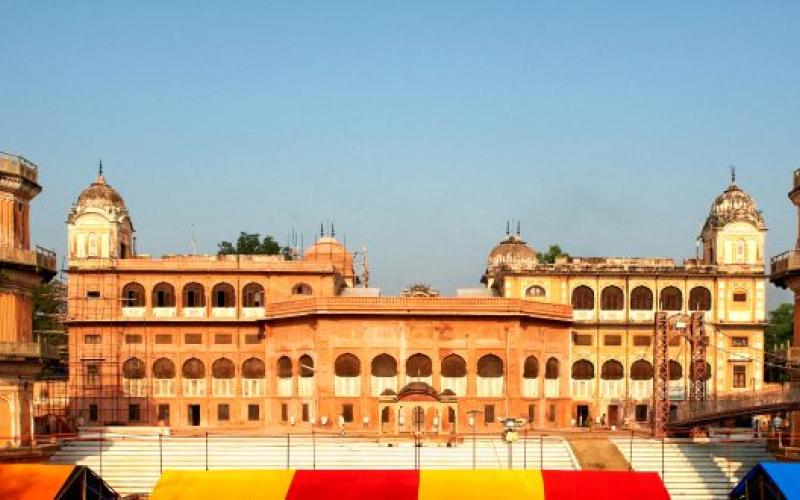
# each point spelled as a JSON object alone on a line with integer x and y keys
{"x": 97, "y": 395}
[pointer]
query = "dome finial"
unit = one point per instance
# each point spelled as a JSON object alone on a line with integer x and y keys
{"x": 519, "y": 233}
{"x": 733, "y": 174}
{"x": 100, "y": 168}
{"x": 508, "y": 227}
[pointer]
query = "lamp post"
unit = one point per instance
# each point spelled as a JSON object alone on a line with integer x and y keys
{"x": 472, "y": 422}
{"x": 510, "y": 435}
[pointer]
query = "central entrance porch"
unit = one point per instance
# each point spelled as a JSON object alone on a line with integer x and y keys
{"x": 418, "y": 410}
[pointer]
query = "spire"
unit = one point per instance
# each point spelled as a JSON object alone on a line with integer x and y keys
{"x": 519, "y": 233}
{"x": 100, "y": 168}
{"x": 733, "y": 174}
{"x": 508, "y": 228}
{"x": 333, "y": 231}
{"x": 321, "y": 229}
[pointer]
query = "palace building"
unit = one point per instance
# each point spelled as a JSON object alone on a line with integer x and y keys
{"x": 261, "y": 342}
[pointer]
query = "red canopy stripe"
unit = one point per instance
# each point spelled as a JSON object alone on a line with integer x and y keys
{"x": 354, "y": 484}
{"x": 603, "y": 485}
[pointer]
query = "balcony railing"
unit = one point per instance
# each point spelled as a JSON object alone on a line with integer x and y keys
{"x": 28, "y": 350}
{"x": 552, "y": 388}
{"x": 39, "y": 257}
{"x": 782, "y": 264}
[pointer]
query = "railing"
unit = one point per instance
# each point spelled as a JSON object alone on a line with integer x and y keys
{"x": 252, "y": 387}
{"x": 583, "y": 389}
{"x": 347, "y": 386}
{"x": 739, "y": 404}
{"x": 305, "y": 386}
{"x": 39, "y": 257}
{"x": 28, "y": 350}
{"x": 785, "y": 262}
{"x": 450, "y": 305}
{"x": 552, "y": 388}
{"x": 612, "y": 389}
{"x": 490, "y": 387}
{"x": 456, "y": 384}
{"x": 530, "y": 388}
{"x": 379, "y": 384}
{"x": 18, "y": 165}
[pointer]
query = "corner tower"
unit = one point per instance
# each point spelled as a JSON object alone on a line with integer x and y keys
{"x": 734, "y": 232}
{"x": 21, "y": 270}
{"x": 99, "y": 226}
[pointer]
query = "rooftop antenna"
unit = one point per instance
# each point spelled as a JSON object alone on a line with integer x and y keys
{"x": 333, "y": 231}
{"x": 518, "y": 229}
{"x": 508, "y": 227}
{"x": 321, "y": 229}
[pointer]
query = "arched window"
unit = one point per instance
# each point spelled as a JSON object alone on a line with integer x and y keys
{"x": 741, "y": 252}
{"x": 641, "y": 370}
{"x": 306, "y": 363}
{"x": 531, "y": 369}
{"x": 384, "y": 365}
{"x": 552, "y": 369}
{"x": 301, "y": 289}
{"x": 535, "y": 291}
{"x": 253, "y": 368}
{"x": 699, "y": 299}
{"x": 671, "y": 299}
{"x": 163, "y": 295}
{"x": 284, "y": 367}
{"x": 223, "y": 295}
{"x": 133, "y": 295}
{"x": 419, "y": 365}
{"x": 164, "y": 368}
{"x": 698, "y": 365}
{"x": 612, "y": 299}
{"x": 582, "y": 370}
{"x": 347, "y": 365}
{"x": 675, "y": 370}
{"x": 223, "y": 368}
{"x": 612, "y": 370}
{"x": 641, "y": 299}
{"x": 93, "y": 252}
{"x": 490, "y": 366}
{"x": 193, "y": 369}
{"x": 194, "y": 295}
{"x": 253, "y": 295}
{"x": 583, "y": 298}
{"x": 454, "y": 366}
{"x": 133, "y": 368}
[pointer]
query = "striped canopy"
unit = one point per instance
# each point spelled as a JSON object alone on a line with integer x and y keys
{"x": 408, "y": 485}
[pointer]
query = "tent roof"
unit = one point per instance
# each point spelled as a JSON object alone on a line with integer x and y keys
{"x": 785, "y": 475}
{"x": 33, "y": 481}
{"x": 405, "y": 484}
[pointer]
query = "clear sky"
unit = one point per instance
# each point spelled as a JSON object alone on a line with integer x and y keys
{"x": 418, "y": 127}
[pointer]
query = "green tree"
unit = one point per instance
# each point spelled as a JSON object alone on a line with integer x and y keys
{"x": 251, "y": 244}
{"x": 780, "y": 329}
{"x": 778, "y": 333}
{"x": 49, "y": 308}
{"x": 549, "y": 257}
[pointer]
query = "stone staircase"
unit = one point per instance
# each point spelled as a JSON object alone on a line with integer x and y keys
{"x": 133, "y": 464}
{"x": 697, "y": 470}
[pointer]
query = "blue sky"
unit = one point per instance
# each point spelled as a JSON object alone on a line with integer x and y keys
{"x": 418, "y": 127}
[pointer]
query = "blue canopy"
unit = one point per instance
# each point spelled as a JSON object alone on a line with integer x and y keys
{"x": 785, "y": 475}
